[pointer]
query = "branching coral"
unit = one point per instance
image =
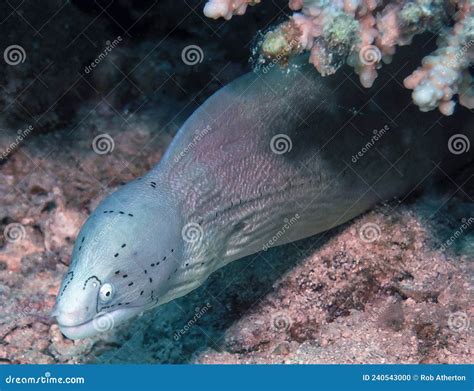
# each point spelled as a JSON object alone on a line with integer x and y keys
{"x": 445, "y": 72}
{"x": 227, "y": 8}
{"x": 365, "y": 34}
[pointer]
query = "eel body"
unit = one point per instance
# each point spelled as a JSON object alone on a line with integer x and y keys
{"x": 283, "y": 151}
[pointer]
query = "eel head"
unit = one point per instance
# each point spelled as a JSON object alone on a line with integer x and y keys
{"x": 128, "y": 257}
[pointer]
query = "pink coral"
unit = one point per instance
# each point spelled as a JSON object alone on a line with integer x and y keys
{"x": 365, "y": 33}
{"x": 445, "y": 72}
{"x": 368, "y": 57}
{"x": 227, "y": 8}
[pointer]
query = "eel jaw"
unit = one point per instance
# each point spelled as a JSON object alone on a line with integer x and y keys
{"x": 102, "y": 322}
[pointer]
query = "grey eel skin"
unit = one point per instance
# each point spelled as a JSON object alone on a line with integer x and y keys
{"x": 266, "y": 149}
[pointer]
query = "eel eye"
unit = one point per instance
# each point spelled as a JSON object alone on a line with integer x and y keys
{"x": 106, "y": 292}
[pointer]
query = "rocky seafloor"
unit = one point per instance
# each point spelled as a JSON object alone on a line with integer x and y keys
{"x": 403, "y": 294}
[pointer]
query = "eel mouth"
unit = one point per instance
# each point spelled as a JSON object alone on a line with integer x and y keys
{"x": 101, "y": 322}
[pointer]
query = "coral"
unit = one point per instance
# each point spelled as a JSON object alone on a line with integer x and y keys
{"x": 445, "y": 72}
{"x": 366, "y": 33}
{"x": 227, "y": 8}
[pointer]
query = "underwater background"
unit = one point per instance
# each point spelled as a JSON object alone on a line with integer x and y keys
{"x": 92, "y": 98}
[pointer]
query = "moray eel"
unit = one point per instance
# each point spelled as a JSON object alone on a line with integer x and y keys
{"x": 283, "y": 151}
